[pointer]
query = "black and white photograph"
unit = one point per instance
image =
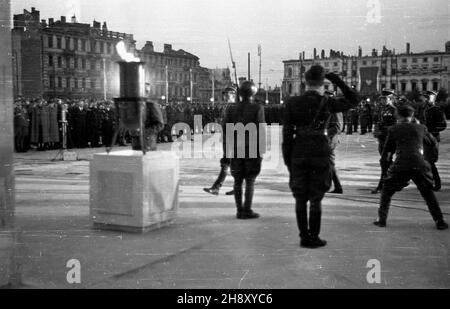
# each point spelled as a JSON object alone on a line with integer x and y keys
{"x": 224, "y": 150}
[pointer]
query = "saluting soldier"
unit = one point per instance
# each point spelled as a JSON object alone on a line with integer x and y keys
{"x": 436, "y": 122}
{"x": 406, "y": 140}
{"x": 306, "y": 149}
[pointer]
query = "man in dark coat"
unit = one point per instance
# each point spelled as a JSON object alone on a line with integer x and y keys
{"x": 406, "y": 140}
{"x": 436, "y": 122}
{"x": 21, "y": 127}
{"x": 306, "y": 148}
{"x": 108, "y": 123}
{"x": 386, "y": 119}
{"x": 245, "y": 159}
{"x": 78, "y": 125}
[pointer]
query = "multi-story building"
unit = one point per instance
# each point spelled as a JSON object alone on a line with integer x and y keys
{"x": 212, "y": 84}
{"x": 171, "y": 74}
{"x": 405, "y": 72}
{"x": 75, "y": 60}
{"x": 65, "y": 59}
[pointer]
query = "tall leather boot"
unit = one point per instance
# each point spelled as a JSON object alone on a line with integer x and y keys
{"x": 383, "y": 210}
{"x": 301, "y": 211}
{"x": 238, "y": 200}
{"x": 315, "y": 218}
{"x": 249, "y": 191}
{"x": 436, "y": 178}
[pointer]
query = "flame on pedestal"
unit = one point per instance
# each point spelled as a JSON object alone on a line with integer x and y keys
{"x": 126, "y": 56}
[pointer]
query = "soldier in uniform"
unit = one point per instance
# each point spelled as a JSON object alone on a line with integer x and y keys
{"x": 306, "y": 148}
{"x": 229, "y": 95}
{"x": 386, "y": 119}
{"x": 245, "y": 161}
{"x": 406, "y": 139}
{"x": 365, "y": 117}
{"x": 436, "y": 122}
{"x": 333, "y": 132}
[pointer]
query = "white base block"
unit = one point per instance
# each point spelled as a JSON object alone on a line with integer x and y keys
{"x": 132, "y": 192}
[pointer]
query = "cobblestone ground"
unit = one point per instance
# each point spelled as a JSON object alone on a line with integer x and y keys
{"x": 208, "y": 248}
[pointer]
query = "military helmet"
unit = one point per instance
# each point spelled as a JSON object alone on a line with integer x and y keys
{"x": 229, "y": 89}
{"x": 248, "y": 89}
{"x": 387, "y": 92}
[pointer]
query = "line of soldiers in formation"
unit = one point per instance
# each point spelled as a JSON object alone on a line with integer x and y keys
{"x": 408, "y": 141}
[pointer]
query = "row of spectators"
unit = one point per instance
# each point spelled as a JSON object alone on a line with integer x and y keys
{"x": 38, "y": 123}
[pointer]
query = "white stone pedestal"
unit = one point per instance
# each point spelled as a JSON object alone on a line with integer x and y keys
{"x": 134, "y": 193}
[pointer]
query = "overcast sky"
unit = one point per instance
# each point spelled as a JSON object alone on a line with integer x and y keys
{"x": 283, "y": 27}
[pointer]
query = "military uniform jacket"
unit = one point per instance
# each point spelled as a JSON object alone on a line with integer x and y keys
{"x": 387, "y": 119}
{"x": 305, "y": 140}
{"x": 406, "y": 141}
{"x": 435, "y": 121}
{"x": 245, "y": 113}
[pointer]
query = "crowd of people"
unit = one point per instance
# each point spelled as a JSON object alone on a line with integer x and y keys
{"x": 91, "y": 123}
{"x": 39, "y": 123}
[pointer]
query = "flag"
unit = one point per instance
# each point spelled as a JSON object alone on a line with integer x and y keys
{"x": 369, "y": 80}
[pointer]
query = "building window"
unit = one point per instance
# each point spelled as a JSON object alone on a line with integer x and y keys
{"x": 83, "y": 64}
{"x": 83, "y": 83}
{"x": 393, "y": 86}
{"x": 59, "y": 62}
{"x": 383, "y": 86}
{"x": 327, "y": 64}
{"x": 364, "y": 62}
{"x": 83, "y": 45}
{"x": 75, "y": 63}
{"x": 435, "y": 86}
{"x": 75, "y": 83}
{"x": 75, "y": 44}
{"x": 414, "y": 60}
{"x": 404, "y": 60}
{"x": 52, "y": 81}
{"x": 290, "y": 89}
{"x": 50, "y": 42}
{"x": 58, "y": 42}
{"x": 436, "y": 59}
{"x": 289, "y": 72}
{"x": 374, "y": 62}
{"x": 68, "y": 85}
{"x": 50, "y": 61}
{"x": 413, "y": 86}
{"x": 102, "y": 47}
{"x": 425, "y": 60}
{"x": 383, "y": 72}
{"x": 93, "y": 82}
{"x": 393, "y": 71}
{"x": 424, "y": 86}
{"x": 354, "y": 73}
{"x": 403, "y": 87}
{"x": 60, "y": 82}
{"x": 108, "y": 48}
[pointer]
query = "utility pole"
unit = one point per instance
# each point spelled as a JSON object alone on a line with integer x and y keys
{"x": 191, "y": 86}
{"x": 213, "y": 90}
{"x": 104, "y": 79}
{"x": 167, "y": 85}
{"x": 249, "y": 75}
{"x": 267, "y": 91}
{"x": 281, "y": 92}
{"x": 301, "y": 73}
{"x": 260, "y": 64}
